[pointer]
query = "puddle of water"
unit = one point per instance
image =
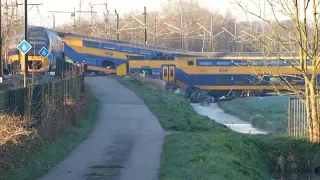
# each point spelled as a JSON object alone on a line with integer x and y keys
{"x": 216, "y": 113}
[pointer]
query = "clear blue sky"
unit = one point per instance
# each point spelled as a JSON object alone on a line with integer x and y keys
{"x": 42, "y": 17}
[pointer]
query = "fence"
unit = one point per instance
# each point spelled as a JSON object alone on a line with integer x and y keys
{"x": 55, "y": 92}
{"x": 297, "y": 118}
{"x": 61, "y": 66}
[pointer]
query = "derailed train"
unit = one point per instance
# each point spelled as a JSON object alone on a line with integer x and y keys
{"x": 225, "y": 74}
{"x": 220, "y": 73}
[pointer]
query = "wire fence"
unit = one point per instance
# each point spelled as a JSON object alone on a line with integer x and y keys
{"x": 297, "y": 118}
{"x": 35, "y": 96}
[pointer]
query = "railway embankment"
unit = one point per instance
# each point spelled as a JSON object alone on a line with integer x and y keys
{"x": 201, "y": 148}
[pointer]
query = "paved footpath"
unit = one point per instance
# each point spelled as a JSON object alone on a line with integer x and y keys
{"x": 126, "y": 143}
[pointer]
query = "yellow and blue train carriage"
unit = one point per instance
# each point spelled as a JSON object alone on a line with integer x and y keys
{"x": 38, "y": 37}
{"x": 221, "y": 75}
{"x": 101, "y": 53}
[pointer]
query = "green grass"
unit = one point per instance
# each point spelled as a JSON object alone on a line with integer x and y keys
{"x": 49, "y": 153}
{"x": 163, "y": 104}
{"x": 204, "y": 149}
{"x": 267, "y": 113}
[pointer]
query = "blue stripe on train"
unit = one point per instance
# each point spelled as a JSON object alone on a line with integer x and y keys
{"x": 91, "y": 60}
{"x": 212, "y": 79}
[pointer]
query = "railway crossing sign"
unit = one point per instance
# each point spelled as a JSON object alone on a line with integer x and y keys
{"x": 43, "y": 52}
{"x": 50, "y": 56}
{"x": 24, "y": 47}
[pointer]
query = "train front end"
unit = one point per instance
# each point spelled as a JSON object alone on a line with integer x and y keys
{"x": 38, "y": 38}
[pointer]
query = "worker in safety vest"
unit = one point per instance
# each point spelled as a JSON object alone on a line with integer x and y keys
{"x": 143, "y": 73}
{"x": 70, "y": 61}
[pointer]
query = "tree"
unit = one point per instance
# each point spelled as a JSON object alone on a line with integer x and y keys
{"x": 298, "y": 37}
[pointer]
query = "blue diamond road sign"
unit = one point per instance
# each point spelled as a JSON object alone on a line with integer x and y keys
{"x": 24, "y": 47}
{"x": 43, "y": 52}
{"x": 50, "y": 57}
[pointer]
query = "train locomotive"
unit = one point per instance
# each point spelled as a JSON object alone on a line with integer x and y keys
{"x": 38, "y": 37}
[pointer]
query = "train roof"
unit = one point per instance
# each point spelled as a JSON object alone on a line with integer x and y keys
{"x": 241, "y": 54}
{"x": 212, "y": 55}
{"x": 118, "y": 42}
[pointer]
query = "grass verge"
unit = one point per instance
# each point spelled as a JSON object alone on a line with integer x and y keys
{"x": 267, "y": 113}
{"x": 204, "y": 149}
{"x": 38, "y": 155}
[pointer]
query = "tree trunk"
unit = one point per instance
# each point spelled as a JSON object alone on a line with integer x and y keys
{"x": 308, "y": 111}
{"x": 314, "y": 113}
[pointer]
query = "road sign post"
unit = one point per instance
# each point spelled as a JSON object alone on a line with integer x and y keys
{"x": 24, "y": 47}
{"x": 25, "y": 12}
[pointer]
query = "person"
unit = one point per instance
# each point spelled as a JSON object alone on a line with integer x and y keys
{"x": 69, "y": 61}
{"x": 143, "y": 73}
{"x": 84, "y": 66}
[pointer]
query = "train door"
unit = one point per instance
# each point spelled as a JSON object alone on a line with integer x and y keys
{"x": 168, "y": 74}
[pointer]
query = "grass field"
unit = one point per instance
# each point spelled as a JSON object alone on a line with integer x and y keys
{"x": 202, "y": 149}
{"x": 267, "y": 113}
{"x": 47, "y": 153}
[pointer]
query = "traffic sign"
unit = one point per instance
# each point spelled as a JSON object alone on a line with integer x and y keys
{"x": 50, "y": 56}
{"x": 43, "y": 52}
{"x": 24, "y": 47}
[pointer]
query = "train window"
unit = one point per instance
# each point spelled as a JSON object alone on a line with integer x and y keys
{"x": 258, "y": 81}
{"x": 241, "y": 81}
{"x": 223, "y": 81}
{"x": 223, "y": 63}
{"x": 297, "y": 79}
{"x": 205, "y": 63}
{"x": 165, "y": 73}
{"x": 37, "y": 36}
{"x": 148, "y": 71}
{"x": 275, "y": 62}
{"x": 171, "y": 72}
{"x": 190, "y": 63}
{"x": 240, "y": 62}
{"x": 309, "y": 62}
{"x": 275, "y": 80}
{"x": 291, "y": 62}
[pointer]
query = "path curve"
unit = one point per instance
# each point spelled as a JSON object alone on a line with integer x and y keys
{"x": 126, "y": 143}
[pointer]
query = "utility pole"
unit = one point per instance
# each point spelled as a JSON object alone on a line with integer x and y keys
{"x": 235, "y": 34}
{"x": 16, "y": 6}
{"x": 54, "y": 21}
{"x": 1, "y": 59}
{"x": 211, "y": 38}
{"x": 155, "y": 31}
{"x": 5, "y": 38}
{"x": 106, "y": 14}
{"x": 73, "y": 16}
{"x": 145, "y": 26}
{"x": 181, "y": 24}
{"x": 80, "y": 6}
{"x": 118, "y": 38}
{"x": 16, "y": 17}
{"x": 91, "y": 15}
{"x": 7, "y": 17}
{"x": 25, "y": 7}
